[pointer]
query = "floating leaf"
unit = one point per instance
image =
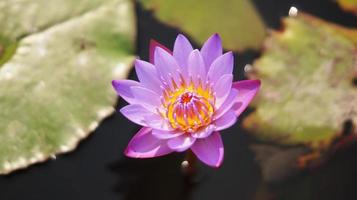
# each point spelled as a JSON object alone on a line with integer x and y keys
{"x": 20, "y": 18}
{"x": 308, "y": 90}
{"x": 278, "y": 163}
{"x": 56, "y": 87}
{"x": 236, "y": 21}
{"x": 348, "y": 5}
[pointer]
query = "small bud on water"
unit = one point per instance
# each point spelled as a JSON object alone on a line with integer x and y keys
{"x": 293, "y": 11}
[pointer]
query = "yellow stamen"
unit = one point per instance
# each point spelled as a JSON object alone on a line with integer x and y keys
{"x": 188, "y": 106}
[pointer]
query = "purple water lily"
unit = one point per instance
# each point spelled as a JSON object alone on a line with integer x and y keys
{"x": 184, "y": 98}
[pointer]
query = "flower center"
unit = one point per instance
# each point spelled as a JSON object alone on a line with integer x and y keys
{"x": 189, "y": 112}
{"x": 188, "y": 107}
{"x": 186, "y": 97}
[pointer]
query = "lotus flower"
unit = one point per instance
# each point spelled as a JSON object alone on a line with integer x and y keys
{"x": 184, "y": 98}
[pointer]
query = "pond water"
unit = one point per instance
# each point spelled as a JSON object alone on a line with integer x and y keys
{"x": 98, "y": 169}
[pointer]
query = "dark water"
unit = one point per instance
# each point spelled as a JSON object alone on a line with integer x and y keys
{"x": 98, "y": 169}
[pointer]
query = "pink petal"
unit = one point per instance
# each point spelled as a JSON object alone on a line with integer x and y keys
{"x": 166, "y": 66}
{"x": 182, "y": 49}
{"x": 209, "y": 150}
{"x": 157, "y": 122}
{"x": 196, "y": 66}
{"x": 204, "y": 132}
{"x": 137, "y": 114}
{"x": 225, "y": 121}
{"x": 123, "y": 88}
{"x": 227, "y": 104}
{"x": 146, "y": 97}
{"x": 181, "y": 143}
{"x": 160, "y": 134}
{"x": 211, "y": 50}
{"x": 147, "y": 75}
{"x": 145, "y": 145}
{"x": 221, "y": 66}
{"x": 222, "y": 89}
{"x": 153, "y": 45}
{"x": 247, "y": 90}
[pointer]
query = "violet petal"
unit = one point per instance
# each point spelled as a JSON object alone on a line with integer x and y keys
{"x": 160, "y": 134}
{"x": 227, "y": 104}
{"x": 182, "y": 49}
{"x": 221, "y": 66}
{"x": 137, "y": 114}
{"x": 181, "y": 143}
{"x": 145, "y": 145}
{"x": 166, "y": 66}
{"x": 123, "y": 89}
{"x": 227, "y": 120}
{"x": 153, "y": 45}
{"x": 159, "y": 123}
{"x": 204, "y": 132}
{"x": 209, "y": 150}
{"x": 222, "y": 89}
{"x": 247, "y": 90}
{"x": 146, "y": 97}
{"x": 147, "y": 76}
{"x": 211, "y": 50}
{"x": 196, "y": 67}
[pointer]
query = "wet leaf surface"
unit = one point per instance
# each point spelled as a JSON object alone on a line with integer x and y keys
{"x": 307, "y": 94}
{"x": 236, "y": 21}
{"x": 55, "y": 88}
{"x": 24, "y": 17}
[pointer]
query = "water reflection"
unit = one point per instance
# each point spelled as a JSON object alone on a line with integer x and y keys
{"x": 158, "y": 178}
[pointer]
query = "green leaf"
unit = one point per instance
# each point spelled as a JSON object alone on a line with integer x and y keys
{"x": 307, "y": 73}
{"x": 236, "y": 21}
{"x": 21, "y": 18}
{"x": 56, "y": 87}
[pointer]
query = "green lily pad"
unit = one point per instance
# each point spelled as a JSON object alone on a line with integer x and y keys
{"x": 56, "y": 88}
{"x": 348, "y": 5}
{"x": 308, "y": 92}
{"x": 236, "y": 21}
{"x": 21, "y": 18}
